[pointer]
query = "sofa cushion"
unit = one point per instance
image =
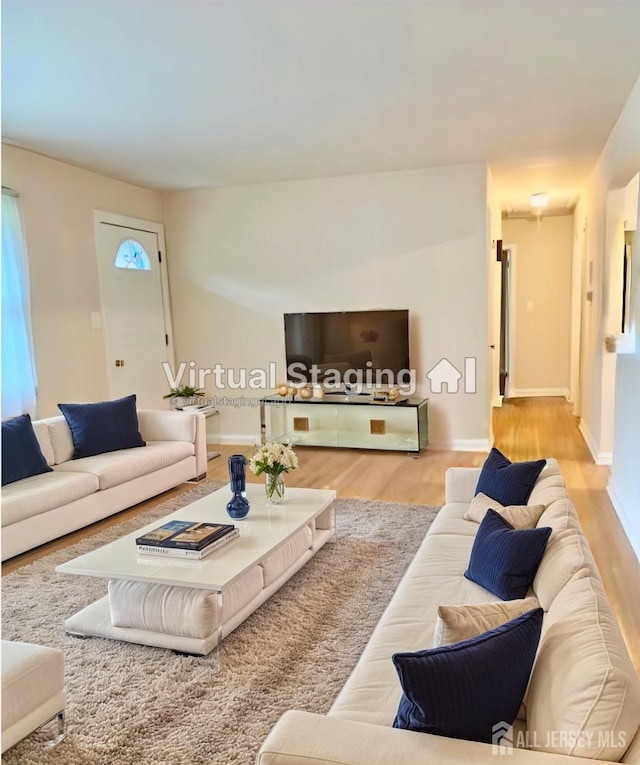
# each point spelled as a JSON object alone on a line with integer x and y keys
{"x": 44, "y": 492}
{"x": 21, "y": 453}
{"x": 583, "y": 683}
{"x": 509, "y": 483}
{"x": 41, "y": 429}
{"x": 457, "y": 623}
{"x": 103, "y": 427}
{"x": 519, "y": 516}
{"x": 372, "y": 692}
{"x": 61, "y": 440}
{"x": 559, "y": 515}
{"x": 463, "y": 690}
{"x": 114, "y": 468}
{"x": 549, "y": 486}
{"x": 504, "y": 560}
{"x": 566, "y": 554}
{"x": 450, "y": 520}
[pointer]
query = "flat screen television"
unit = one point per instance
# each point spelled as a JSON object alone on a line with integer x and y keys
{"x": 347, "y": 346}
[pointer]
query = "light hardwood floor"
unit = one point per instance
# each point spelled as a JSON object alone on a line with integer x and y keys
{"x": 524, "y": 429}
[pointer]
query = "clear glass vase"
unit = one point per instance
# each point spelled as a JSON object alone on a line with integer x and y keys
{"x": 274, "y": 487}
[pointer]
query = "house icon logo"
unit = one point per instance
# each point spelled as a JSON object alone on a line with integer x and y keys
{"x": 502, "y": 738}
{"x": 445, "y": 375}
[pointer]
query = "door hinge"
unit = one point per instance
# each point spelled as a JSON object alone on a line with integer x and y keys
{"x": 166, "y": 339}
{"x": 159, "y": 257}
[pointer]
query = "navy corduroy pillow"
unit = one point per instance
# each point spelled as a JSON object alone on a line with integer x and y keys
{"x": 509, "y": 483}
{"x": 21, "y": 453}
{"x": 465, "y": 689}
{"x": 504, "y": 560}
{"x": 103, "y": 427}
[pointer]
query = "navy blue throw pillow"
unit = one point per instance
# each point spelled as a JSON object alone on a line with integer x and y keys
{"x": 104, "y": 427}
{"x": 509, "y": 483}
{"x": 465, "y": 689}
{"x": 21, "y": 453}
{"x": 504, "y": 560}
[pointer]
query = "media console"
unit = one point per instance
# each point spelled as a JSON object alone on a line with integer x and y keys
{"x": 346, "y": 421}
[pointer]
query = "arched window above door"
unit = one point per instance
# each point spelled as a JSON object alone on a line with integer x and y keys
{"x": 131, "y": 254}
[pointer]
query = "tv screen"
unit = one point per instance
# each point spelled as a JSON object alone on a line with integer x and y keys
{"x": 368, "y": 347}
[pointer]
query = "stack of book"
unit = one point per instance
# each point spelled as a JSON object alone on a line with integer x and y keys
{"x": 186, "y": 539}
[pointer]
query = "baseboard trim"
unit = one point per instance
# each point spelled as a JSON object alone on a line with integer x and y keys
{"x": 240, "y": 440}
{"x": 462, "y": 445}
{"x": 533, "y": 392}
{"x": 632, "y": 534}
{"x": 600, "y": 458}
{"x": 457, "y": 445}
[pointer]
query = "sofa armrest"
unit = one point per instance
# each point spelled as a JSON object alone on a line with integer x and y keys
{"x": 303, "y": 738}
{"x": 164, "y": 425}
{"x": 460, "y": 483}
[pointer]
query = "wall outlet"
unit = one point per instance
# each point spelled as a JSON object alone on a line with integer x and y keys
{"x": 96, "y": 320}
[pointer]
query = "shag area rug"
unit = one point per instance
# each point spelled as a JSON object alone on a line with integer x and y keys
{"x": 135, "y": 705}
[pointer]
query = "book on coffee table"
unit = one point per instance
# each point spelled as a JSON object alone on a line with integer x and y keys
{"x": 185, "y": 535}
{"x": 184, "y": 553}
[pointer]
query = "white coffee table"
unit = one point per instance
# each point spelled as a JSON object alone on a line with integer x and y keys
{"x": 190, "y": 606}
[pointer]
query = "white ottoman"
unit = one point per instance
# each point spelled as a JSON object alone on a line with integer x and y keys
{"x": 32, "y": 690}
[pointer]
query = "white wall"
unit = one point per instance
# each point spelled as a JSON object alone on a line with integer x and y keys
{"x": 631, "y": 200}
{"x": 241, "y": 257}
{"x": 494, "y": 277}
{"x": 577, "y": 290}
{"x": 617, "y": 165}
{"x": 542, "y": 286}
{"x": 58, "y": 201}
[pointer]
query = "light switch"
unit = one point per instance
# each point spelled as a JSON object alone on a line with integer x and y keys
{"x": 529, "y": 306}
{"x": 96, "y": 320}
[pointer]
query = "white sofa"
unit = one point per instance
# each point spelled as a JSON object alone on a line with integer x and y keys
{"x": 79, "y": 492}
{"x": 583, "y": 699}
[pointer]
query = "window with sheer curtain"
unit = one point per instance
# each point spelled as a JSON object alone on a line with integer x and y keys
{"x": 18, "y": 367}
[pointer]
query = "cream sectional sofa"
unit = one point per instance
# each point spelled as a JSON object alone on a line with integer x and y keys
{"x": 79, "y": 492}
{"x": 583, "y": 699}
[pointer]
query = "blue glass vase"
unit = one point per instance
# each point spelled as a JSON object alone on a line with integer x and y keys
{"x": 238, "y": 505}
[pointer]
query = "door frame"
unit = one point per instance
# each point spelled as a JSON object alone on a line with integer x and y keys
{"x": 151, "y": 227}
{"x": 512, "y": 305}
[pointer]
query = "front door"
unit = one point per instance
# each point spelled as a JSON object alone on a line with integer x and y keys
{"x": 135, "y": 314}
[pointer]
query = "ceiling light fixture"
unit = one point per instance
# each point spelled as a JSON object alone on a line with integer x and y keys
{"x": 539, "y": 200}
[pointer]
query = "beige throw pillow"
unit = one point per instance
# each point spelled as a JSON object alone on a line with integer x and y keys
{"x": 457, "y": 623}
{"x": 519, "y": 516}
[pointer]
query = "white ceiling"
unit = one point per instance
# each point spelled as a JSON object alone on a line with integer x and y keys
{"x": 175, "y": 94}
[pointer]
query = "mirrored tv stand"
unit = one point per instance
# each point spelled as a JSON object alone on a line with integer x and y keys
{"x": 349, "y": 421}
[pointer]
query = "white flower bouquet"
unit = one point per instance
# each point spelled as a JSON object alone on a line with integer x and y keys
{"x": 273, "y": 459}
